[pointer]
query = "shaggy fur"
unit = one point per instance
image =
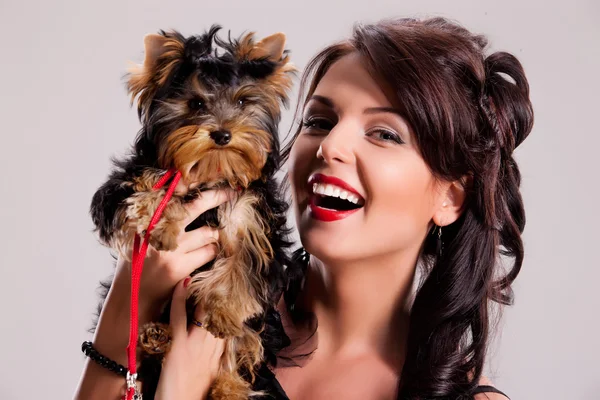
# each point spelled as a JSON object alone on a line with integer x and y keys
{"x": 209, "y": 108}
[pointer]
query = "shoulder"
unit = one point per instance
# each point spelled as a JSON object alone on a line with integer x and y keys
{"x": 488, "y": 395}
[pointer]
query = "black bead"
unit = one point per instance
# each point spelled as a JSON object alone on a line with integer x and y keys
{"x": 89, "y": 350}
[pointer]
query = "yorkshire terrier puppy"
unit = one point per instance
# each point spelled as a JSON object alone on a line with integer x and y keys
{"x": 210, "y": 108}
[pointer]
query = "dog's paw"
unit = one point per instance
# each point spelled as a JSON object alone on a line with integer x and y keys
{"x": 155, "y": 338}
{"x": 165, "y": 237}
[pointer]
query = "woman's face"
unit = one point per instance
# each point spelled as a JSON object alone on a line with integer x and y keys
{"x": 354, "y": 145}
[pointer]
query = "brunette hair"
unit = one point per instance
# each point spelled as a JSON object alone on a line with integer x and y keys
{"x": 468, "y": 111}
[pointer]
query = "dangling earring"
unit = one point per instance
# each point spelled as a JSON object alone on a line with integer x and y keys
{"x": 439, "y": 245}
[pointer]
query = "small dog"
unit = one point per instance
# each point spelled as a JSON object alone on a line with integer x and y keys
{"x": 209, "y": 108}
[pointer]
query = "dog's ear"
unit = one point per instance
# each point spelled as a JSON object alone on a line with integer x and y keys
{"x": 271, "y": 47}
{"x": 280, "y": 81}
{"x": 162, "y": 53}
{"x": 154, "y": 47}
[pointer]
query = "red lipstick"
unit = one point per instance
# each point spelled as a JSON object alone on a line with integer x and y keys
{"x": 326, "y": 214}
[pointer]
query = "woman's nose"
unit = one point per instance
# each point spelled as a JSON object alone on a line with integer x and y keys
{"x": 337, "y": 145}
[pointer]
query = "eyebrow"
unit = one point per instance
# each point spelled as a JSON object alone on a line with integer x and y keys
{"x": 371, "y": 110}
{"x": 323, "y": 100}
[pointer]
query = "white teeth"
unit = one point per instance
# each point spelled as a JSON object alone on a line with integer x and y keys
{"x": 334, "y": 191}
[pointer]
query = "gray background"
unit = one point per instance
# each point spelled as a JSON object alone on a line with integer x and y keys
{"x": 64, "y": 111}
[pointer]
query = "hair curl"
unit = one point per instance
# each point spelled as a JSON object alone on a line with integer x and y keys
{"x": 468, "y": 112}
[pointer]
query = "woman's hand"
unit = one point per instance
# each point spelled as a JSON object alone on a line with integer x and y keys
{"x": 163, "y": 269}
{"x": 192, "y": 363}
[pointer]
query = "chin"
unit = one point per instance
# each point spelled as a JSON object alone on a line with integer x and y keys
{"x": 328, "y": 246}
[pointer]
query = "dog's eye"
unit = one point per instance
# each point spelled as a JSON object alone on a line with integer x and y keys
{"x": 196, "y": 104}
{"x": 242, "y": 101}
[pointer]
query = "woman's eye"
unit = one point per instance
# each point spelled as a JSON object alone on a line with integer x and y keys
{"x": 386, "y": 136}
{"x": 196, "y": 104}
{"x": 317, "y": 123}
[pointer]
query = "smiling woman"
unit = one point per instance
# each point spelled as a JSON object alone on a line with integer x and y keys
{"x": 403, "y": 158}
{"x": 352, "y": 133}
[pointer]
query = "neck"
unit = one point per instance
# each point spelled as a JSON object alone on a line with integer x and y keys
{"x": 361, "y": 306}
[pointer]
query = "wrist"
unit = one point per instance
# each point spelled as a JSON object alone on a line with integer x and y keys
{"x": 111, "y": 337}
{"x": 120, "y": 292}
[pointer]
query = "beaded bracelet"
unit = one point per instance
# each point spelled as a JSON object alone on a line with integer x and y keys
{"x": 88, "y": 349}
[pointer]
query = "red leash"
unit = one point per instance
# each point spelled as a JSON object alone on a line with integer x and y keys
{"x": 137, "y": 264}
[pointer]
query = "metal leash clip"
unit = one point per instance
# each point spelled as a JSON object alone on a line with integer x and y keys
{"x": 131, "y": 383}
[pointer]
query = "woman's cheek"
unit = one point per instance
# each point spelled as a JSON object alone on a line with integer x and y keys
{"x": 402, "y": 198}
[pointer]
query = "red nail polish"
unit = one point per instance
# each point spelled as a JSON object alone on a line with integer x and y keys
{"x": 186, "y": 282}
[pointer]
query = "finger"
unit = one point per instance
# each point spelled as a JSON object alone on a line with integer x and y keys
{"x": 217, "y": 345}
{"x": 197, "y": 238}
{"x": 219, "y": 348}
{"x": 197, "y": 258}
{"x": 207, "y": 340}
{"x": 207, "y": 200}
{"x": 178, "y": 316}
{"x": 198, "y": 334}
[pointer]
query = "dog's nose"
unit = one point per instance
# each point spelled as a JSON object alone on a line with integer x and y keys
{"x": 221, "y": 137}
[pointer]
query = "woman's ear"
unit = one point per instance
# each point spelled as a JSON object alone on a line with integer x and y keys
{"x": 451, "y": 201}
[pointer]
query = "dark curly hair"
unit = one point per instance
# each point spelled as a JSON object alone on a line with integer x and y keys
{"x": 469, "y": 111}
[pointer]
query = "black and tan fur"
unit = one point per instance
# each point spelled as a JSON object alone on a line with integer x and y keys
{"x": 209, "y": 108}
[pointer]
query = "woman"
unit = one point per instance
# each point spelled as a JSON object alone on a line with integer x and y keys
{"x": 403, "y": 160}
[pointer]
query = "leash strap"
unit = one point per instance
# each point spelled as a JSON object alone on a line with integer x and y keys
{"x": 137, "y": 265}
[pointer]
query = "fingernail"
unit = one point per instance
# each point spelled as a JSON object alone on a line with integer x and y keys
{"x": 186, "y": 282}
